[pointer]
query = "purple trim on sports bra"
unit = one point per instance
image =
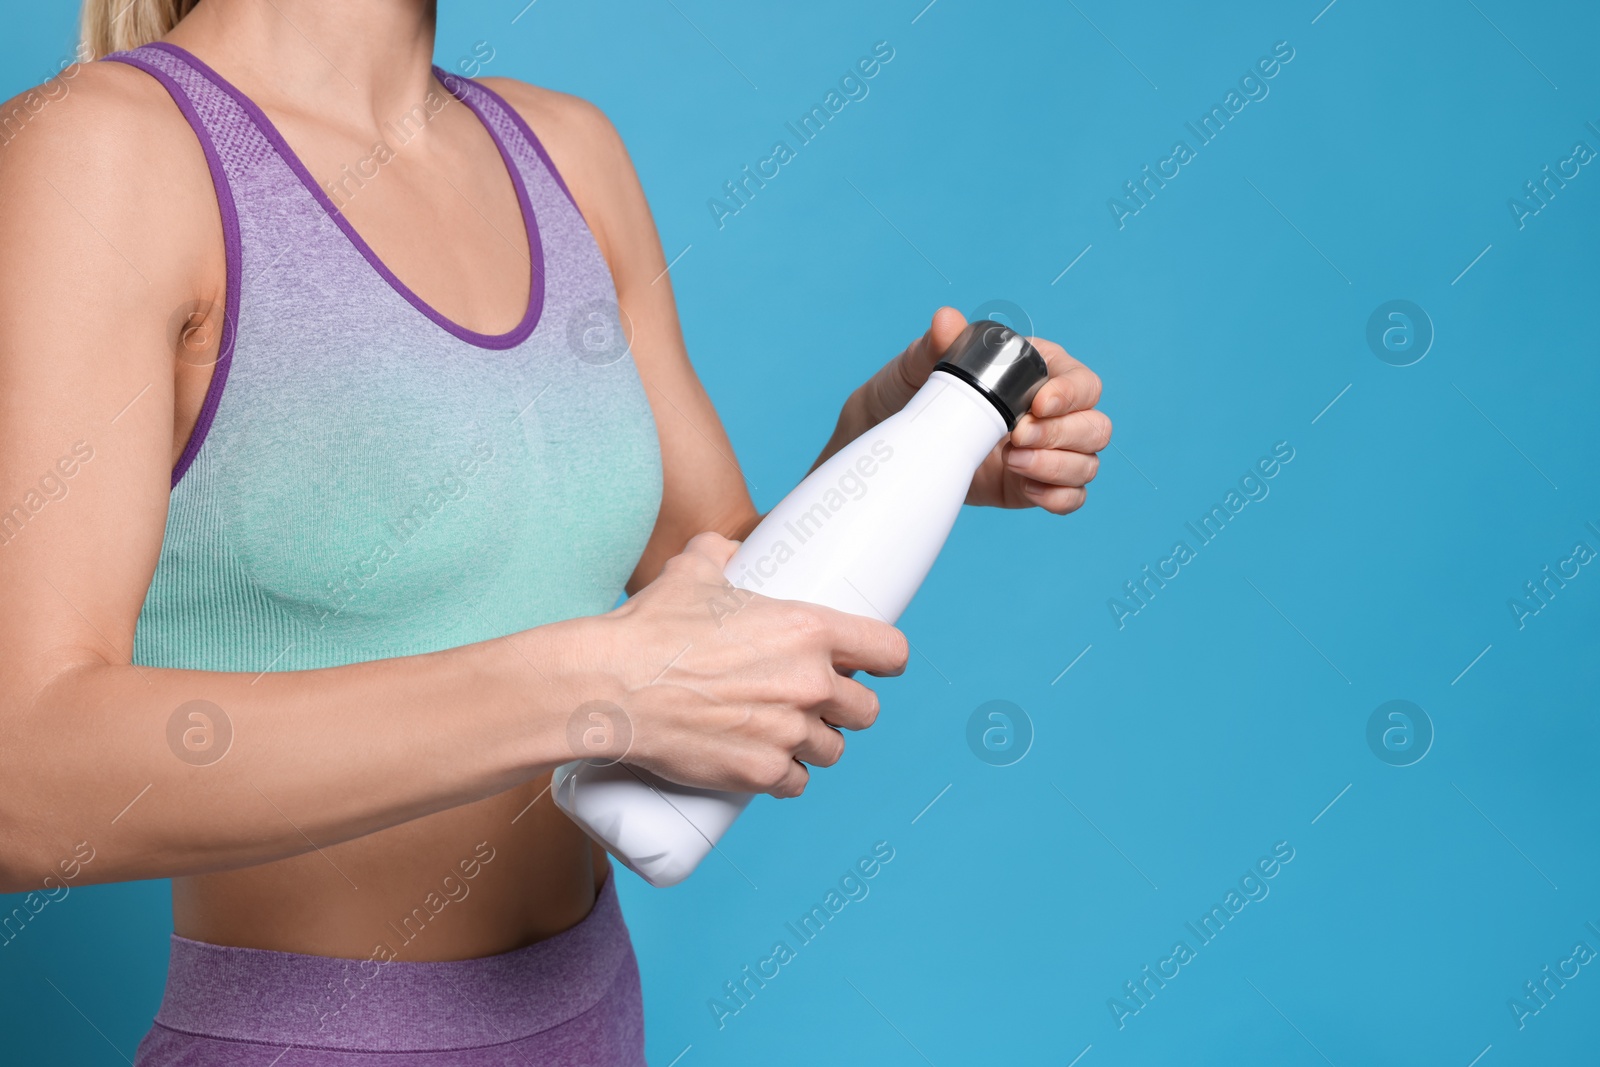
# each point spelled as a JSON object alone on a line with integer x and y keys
{"x": 232, "y": 256}
{"x": 527, "y": 132}
{"x": 530, "y": 318}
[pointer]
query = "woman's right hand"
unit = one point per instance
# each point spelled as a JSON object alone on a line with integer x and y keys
{"x": 723, "y": 688}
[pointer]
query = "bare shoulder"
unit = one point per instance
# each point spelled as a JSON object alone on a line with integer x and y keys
{"x": 92, "y": 119}
{"x": 571, "y": 124}
{"x": 101, "y": 144}
{"x": 585, "y": 148}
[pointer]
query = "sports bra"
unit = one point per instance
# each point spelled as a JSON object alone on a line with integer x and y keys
{"x": 367, "y": 478}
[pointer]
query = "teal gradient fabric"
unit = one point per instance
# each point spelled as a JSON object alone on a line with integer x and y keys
{"x": 370, "y": 479}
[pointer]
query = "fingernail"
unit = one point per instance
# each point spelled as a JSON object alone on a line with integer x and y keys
{"x": 1026, "y": 434}
{"x": 1021, "y": 458}
{"x": 1052, "y": 404}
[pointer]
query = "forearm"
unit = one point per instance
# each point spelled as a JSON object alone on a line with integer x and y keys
{"x": 695, "y": 504}
{"x": 314, "y": 757}
{"x": 854, "y": 420}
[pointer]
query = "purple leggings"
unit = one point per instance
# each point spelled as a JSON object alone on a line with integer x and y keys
{"x": 570, "y": 999}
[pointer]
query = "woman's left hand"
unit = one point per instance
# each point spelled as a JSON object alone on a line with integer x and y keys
{"x": 1051, "y": 456}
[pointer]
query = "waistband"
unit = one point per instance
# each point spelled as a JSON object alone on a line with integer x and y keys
{"x": 285, "y": 998}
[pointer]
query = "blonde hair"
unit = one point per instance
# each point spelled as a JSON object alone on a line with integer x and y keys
{"x": 117, "y": 25}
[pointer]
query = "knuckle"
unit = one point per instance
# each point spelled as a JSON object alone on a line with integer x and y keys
{"x": 772, "y": 770}
{"x": 792, "y": 732}
{"x": 805, "y": 621}
{"x": 812, "y": 687}
{"x": 794, "y": 620}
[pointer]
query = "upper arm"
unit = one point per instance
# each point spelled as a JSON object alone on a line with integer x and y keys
{"x": 95, "y": 256}
{"x": 703, "y": 488}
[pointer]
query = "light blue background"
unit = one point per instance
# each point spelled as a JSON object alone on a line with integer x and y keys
{"x": 1228, "y": 713}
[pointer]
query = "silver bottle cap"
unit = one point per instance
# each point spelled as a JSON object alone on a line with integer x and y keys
{"x": 998, "y": 362}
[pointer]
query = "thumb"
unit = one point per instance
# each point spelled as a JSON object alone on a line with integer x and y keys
{"x": 894, "y": 386}
{"x": 946, "y": 327}
{"x": 712, "y": 546}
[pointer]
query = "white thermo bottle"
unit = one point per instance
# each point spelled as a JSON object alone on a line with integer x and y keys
{"x": 859, "y": 535}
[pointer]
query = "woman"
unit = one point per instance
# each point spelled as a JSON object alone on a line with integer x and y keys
{"x": 327, "y": 474}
